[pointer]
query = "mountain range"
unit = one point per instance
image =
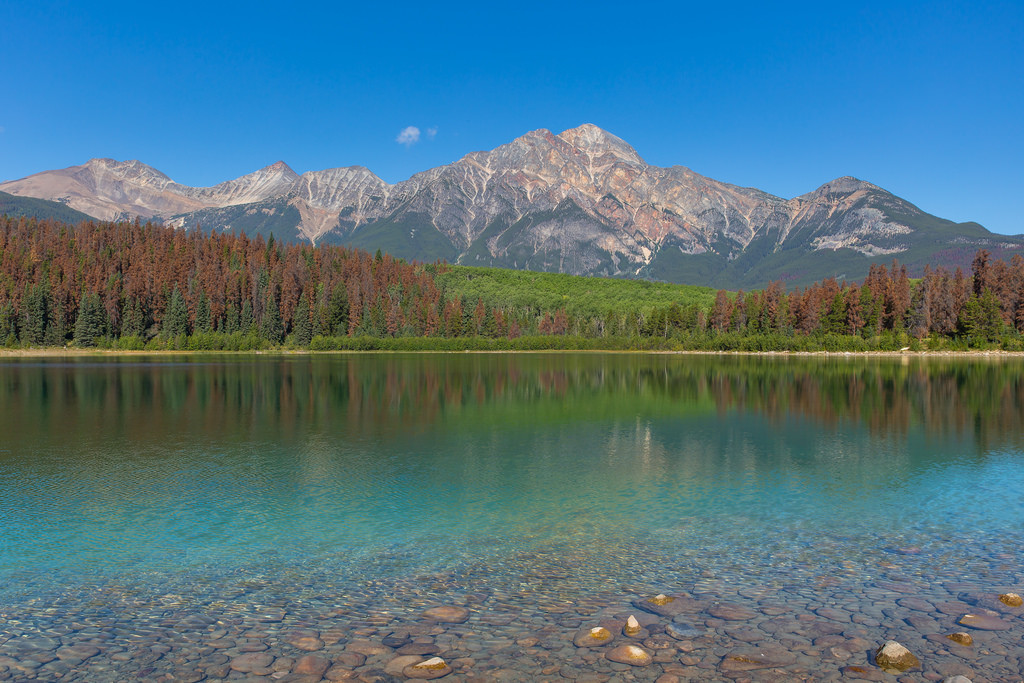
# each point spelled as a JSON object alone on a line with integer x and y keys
{"x": 582, "y": 201}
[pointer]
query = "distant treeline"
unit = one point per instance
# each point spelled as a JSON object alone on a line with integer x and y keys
{"x": 144, "y": 286}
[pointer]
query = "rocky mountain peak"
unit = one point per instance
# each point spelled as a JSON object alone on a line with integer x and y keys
{"x": 844, "y": 185}
{"x": 596, "y": 143}
{"x": 133, "y": 170}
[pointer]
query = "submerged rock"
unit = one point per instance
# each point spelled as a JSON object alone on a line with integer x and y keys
{"x": 984, "y": 621}
{"x": 632, "y": 627}
{"x": 595, "y": 637}
{"x": 629, "y": 654}
{"x": 253, "y": 663}
{"x": 311, "y": 665}
{"x": 435, "y": 667}
{"x": 961, "y": 638}
{"x": 667, "y": 605}
{"x": 894, "y": 657}
{"x": 682, "y": 631}
{"x": 396, "y": 666}
{"x": 448, "y": 614}
{"x": 1011, "y": 600}
{"x": 731, "y": 612}
{"x": 749, "y": 659}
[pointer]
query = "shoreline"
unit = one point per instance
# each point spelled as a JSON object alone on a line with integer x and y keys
{"x": 99, "y": 353}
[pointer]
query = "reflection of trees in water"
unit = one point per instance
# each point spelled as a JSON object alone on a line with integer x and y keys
{"x": 364, "y": 395}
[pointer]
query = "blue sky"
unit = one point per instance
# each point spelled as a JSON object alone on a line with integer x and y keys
{"x": 924, "y": 99}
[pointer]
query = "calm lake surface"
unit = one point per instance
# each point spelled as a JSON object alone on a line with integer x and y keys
{"x": 194, "y": 518}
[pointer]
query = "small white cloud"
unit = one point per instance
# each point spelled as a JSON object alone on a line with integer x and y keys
{"x": 409, "y": 136}
{"x": 432, "y": 132}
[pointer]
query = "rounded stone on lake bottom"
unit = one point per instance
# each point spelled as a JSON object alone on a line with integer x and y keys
{"x": 339, "y": 673}
{"x": 311, "y": 665}
{"x": 661, "y": 604}
{"x": 396, "y": 666}
{"x": 307, "y": 643}
{"x": 396, "y": 640}
{"x": 961, "y": 638}
{"x": 253, "y": 663}
{"x": 751, "y": 658}
{"x": 984, "y": 622}
{"x": 595, "y": 637}
{"x": 367, "y": 648}
{"x": 448, "y": 614}
{"x": 862, "y": 674}
{"x": 894, "y": 657}
{"x": 956, "y": 679}
{"x": 632, "y": 627}
{"x": 731, "y": 612}
{"x": 629, "y": 654}
{"x": 77, "y": 652}
{"x": 435, "y": 667}
{"x": 1011, "y": 600}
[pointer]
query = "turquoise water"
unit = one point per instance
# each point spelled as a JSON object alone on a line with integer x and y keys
{"x": 517, "y": 484}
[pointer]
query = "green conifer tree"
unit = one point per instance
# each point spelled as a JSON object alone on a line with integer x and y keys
{"x": 91, "y": 322}
{"x": 176, "y": 319}
{"x": 302, "y": 327}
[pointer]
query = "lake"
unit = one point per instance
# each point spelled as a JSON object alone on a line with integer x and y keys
{"x": 304, "y": 517}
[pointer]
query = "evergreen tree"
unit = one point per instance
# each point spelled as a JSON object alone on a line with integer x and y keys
{"x": 91, "y": 322}
{"x": 231, "y": 320}
{"x": 176, "y": 319}
{"x": 204, "y": 323}
{"x": 133, "y": 322}
{"x": 56, "y": 329}
{"x": 302, "y": 327}
{"x": 246, "y": 322}
{"x": 8, "y": 324}
{"x": 337, "y": 311}
{"x": 270, "y": 327}
{"x": 34, "y": 315}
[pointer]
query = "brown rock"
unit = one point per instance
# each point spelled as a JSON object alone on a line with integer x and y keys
{"x": 1011, "y": 600}
{"x": 731, "y": 612}
{"x": 253, "y": 663}
{"x": 434, "y": 667}
{"x": 961, "y": 638}
{"x": 396, "y": 666}
{"x": 351, "y": 659}
{"x": 340, "y": 673}
{"x": 448, "y": 614}
{"x": 749, "y": 659}
{"x": 307, "y": 643}
{"x": 366, "y": 647}
{"x": 77, "y": 652}
{"x": 629, "y": 654}
{"x": 595, "y": 637}
{"x": 984, "y": 621}
{"x": 632, "y": 628}
{"x": 311, "y": 665}
{"x": 894, "y": 657}
{"x": 863, "y": 674}
{"x": 668, "y": 605}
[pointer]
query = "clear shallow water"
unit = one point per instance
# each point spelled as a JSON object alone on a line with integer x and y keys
{"x": 542, "y": 492}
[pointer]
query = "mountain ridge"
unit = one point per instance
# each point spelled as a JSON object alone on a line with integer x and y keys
{"x": 582, "y": 201}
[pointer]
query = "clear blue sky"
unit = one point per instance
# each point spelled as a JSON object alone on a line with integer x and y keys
{"x": 925, "y": 99}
